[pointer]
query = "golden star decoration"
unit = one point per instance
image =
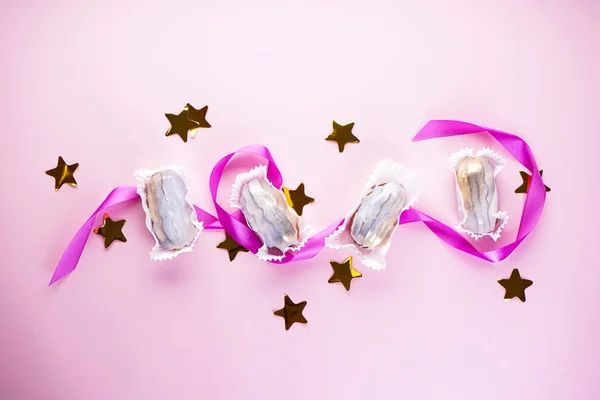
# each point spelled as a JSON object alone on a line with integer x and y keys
{"x": 524, "y": 188}
{"x": 231, "y": 246}
{"x": 181, "y": 124}
{"x": 198, "y": 116}
{"x": 342, "y": 135}
{"x": 344, "y": 272}
{"x": 63, "y": 173}
{"x": 111, "y": 231}
{"x": 291, "y": 312}
{"x": 297, "y": 199}
{"x": 515, "y": 286}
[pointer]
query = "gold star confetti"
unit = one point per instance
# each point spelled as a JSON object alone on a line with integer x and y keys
{"x": 515, "y": 286}
{"x": 181, "y": 124}
{"x": 111, "y": 231}
{"x": 297, "y": 199}
{"x": 342, "y": 135}
{"x": 63, "y": 173}
{"x": 198, "y": 116}
{"x": 231, "y": 246}
{"x": 344, "y": 273}
{"x": 524, "y": 188}
{"x": 291, "y": 312}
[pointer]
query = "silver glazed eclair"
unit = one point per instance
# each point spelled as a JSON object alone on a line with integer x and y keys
{"x": 477, "y": 193}
{"x": 377, "y": 215}
{"x": 169, "y": 211}
{"x": 267, "y": 213}
{"x": 368, "y": 228}
{"x": 170, "y": 217}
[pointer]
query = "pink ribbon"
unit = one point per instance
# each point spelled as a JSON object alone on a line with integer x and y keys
{"x": 119, "y": 195}
{"x": 235, "y": 224}
{"x": 534, "y": 202}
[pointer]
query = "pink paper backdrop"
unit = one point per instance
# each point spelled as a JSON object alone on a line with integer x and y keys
{"x": 91, "y": 82}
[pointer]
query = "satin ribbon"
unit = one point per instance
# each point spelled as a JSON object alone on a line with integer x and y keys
{"x": 119, "y": 195}
{"x": 235, "y": 224}
{"x": 534, "y": 202}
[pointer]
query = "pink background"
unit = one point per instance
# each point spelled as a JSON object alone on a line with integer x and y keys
{"x": 92, "y": 83}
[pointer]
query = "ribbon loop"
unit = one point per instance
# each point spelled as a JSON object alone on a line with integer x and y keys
{"x": 534, "y": 202}
{"x": 235, "y": 224}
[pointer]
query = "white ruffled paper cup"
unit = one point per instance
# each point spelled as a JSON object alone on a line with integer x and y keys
{"x": 387, "y": 171}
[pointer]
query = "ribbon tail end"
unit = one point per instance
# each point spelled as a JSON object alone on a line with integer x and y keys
{"x": 58, "y": 275}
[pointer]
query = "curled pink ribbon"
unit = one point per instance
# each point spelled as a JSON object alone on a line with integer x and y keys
{"x": 235, "y": 224}
{"x": 534, "y": 202}
{"x": 119, "y": 195}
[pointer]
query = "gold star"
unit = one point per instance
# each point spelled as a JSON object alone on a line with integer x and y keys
{"x": 297, "y": 199}
{"x": 111, "y": 231}
{"x": 524, "y": 188}
{"x": 515, "y": 286}
{"x": 342, "y": 135}
{"x": 180, "y": 124}
{"x": 63, "y": 173}
{"x": 291, "y": 312}
{"x": 198, "y": 116}
{"x": 231, "y": 246}
{"x": 344, "y": 272}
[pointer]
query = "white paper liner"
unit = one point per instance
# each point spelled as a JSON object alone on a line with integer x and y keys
{"x": 385, "y": 171}
{"x": 159, "y": 252}
{"x": 498, "y": 161}
{"x": 304, "y": 230}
